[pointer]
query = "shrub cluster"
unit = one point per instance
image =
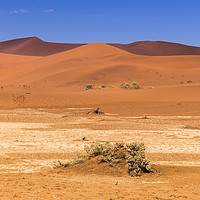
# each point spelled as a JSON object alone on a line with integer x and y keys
{"x": 133, "y": 154}
{"x": 132, "y": 86}
{"x": 89, "y": 87}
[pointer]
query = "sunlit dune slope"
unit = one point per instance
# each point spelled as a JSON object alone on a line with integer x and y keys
{"x": 7, "y": 60}
{"x": 99, "y": 63}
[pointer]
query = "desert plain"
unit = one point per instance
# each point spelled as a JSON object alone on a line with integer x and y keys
{"x": 43, "y": 118}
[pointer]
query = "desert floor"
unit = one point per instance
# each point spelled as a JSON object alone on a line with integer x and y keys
{"x": 32, "y": 140}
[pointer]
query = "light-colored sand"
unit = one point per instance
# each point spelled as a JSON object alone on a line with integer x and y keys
{"x": 43, "y": 133}
{"x": 31, "y": 141}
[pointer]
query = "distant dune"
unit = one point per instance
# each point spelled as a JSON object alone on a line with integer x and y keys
{"x": 60, "y": 79}
{"x": 100, "y": 63}
{"x": 33, "y": 46}
{"x": 159, "y": 48}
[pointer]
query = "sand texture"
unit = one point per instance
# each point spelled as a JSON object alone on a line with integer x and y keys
{"x": 45, "y": 114}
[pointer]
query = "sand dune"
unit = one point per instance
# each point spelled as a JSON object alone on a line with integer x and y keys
{"x": 99, "y": 63}
{"x": 59, "y": 79}
{"x": 158, "y": 48}
{"x": 7, "y": 60}
{"x": 33, "y": 46}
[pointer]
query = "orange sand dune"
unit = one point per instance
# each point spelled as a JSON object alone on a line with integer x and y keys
{"x": 62, "y": 77}
{"x": 7, "y": 60}
{"x": 33, "y": 46}
{"x": 99, "y": 63}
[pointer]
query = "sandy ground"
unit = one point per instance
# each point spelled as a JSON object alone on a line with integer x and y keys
{"x": 32, "y": 140}
{"x": 43, "y": 106}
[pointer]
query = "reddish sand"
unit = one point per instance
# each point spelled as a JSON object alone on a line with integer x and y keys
{"x": 50, "y": 121}
{"x": 99, "y": 63}
{"x": 159, "y": 48}
{"x": 172, "y": 78}
{"x": 7, "y": 60}
{"x": 33, "y": 46}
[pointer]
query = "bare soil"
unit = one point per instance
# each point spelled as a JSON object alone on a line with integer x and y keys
{"x": 33, "y": 140}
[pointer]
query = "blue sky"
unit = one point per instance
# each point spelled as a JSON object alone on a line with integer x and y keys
{"x": 87, "y": 21}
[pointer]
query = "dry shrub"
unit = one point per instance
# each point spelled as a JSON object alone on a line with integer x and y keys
{"x": 132, "y": 86}
{"x": 132, "y": 154}
{"x": 89, "y": 87}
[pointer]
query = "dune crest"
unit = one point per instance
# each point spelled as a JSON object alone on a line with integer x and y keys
{"x": 34, "y": 46}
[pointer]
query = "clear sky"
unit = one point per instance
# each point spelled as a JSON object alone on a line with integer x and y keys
{"x": 87, "y": 21}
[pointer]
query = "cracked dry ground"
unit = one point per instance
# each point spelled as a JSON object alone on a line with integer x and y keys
{"x": 31, "y": 141}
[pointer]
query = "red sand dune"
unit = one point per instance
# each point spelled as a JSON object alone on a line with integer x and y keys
{"x": 33, "y": 46}
{"x": 158, "y": 48}
{"x": 59, "y": 79}
{"x": 99, "y": 63}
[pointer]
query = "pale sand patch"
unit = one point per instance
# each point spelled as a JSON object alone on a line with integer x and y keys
{"x": 177, "y": 163}
{"x": 48, "y": 138}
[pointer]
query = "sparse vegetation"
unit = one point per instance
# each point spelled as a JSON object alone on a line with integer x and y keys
{"x": 127, "y": 86}
{"x": 145, "y": 117}
{"x": 132, "y": 86}
{"x": 89, "y": 87}
{"x": 96, "y": 112}
{"x": 133, "y": 155}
